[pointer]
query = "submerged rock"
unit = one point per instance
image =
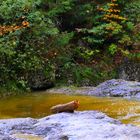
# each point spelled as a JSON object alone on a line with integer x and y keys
{"x": 86, "y": 125}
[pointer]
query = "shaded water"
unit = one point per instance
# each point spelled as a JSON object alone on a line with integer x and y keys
{"x": 38, "y": 105}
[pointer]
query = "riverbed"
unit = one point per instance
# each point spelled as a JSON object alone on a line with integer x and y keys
{"x": 37, "y": 105}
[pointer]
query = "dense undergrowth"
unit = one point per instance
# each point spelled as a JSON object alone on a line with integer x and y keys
{"x": 68, "y": 41}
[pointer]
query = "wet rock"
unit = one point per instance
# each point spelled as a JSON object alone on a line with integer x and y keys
{"x": 84, "y": 125}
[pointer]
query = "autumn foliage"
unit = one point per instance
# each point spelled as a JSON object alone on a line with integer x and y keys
{"x": 7, "y": 28}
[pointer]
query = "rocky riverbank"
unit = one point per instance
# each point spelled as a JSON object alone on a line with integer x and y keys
{"x": 84, "y": 125}
{"x": 112, "y": 88}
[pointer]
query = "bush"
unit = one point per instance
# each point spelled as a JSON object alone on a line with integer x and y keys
{"x": 22, "y": 49}
{"x": 64, "y": 40}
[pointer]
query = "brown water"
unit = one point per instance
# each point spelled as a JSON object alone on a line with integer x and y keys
{"x": 38, "y": 105}
{"x": 27, "y": 136}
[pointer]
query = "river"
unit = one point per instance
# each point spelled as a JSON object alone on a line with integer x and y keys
{"x": 38, "y": 105}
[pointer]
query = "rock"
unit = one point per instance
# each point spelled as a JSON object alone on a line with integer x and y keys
{"x": 10, "y": 125}
{"x": 117, "y": 88}
{"x": 112, "y": 88}
{"x": 71, "y": 90}
{"x": 129, "y": 71}
{"x": 84, "y": 125}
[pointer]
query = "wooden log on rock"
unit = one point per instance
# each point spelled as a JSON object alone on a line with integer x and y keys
{"x": 68, "y": 107}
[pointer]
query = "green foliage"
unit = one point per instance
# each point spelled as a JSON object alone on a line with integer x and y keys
{"x": 21, "y": 51}
{"x": 86, "y": 53}
{"x": 81, "y": 73}
{"x": 67, "y": 40}
{"x": 59, "y": 7}
{"x": 112, "y": 49}
{"x": 132, "y": 11}
{"x": 64, "y": 38}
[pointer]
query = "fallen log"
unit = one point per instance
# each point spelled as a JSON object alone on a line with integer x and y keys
{"x": 68, "y": 107}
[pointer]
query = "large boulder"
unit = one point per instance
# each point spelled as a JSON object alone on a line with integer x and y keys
{"x": 112, "y": 88}
{"x": 117, "y": 88}
{"x": 86, "y": 125}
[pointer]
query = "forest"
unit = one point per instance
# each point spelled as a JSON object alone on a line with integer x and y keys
{"x": 45, "y": 43}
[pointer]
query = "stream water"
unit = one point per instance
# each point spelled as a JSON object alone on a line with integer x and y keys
{"x": 38, "y": 105}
